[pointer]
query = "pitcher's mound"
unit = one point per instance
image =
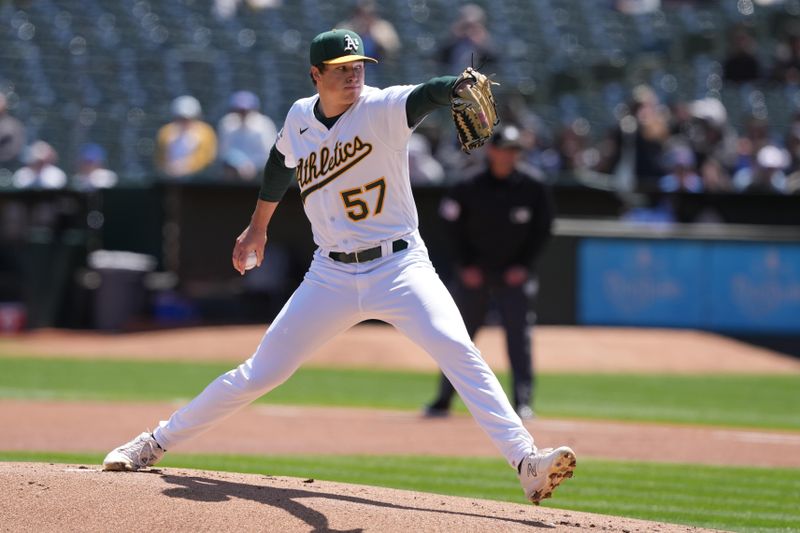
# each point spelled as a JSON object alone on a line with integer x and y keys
{"x": 41, "y": 497}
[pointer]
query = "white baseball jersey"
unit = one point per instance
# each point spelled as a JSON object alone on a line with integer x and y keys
{"x": 353, "y": 178}
{"x": 354, "y": 183}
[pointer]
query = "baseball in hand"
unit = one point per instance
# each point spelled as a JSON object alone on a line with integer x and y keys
{"x": 251, "y": 261}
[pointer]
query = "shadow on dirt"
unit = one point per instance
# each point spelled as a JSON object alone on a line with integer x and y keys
{"x": 213, "y": 490}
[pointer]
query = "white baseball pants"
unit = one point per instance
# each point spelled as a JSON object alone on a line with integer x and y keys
{"x": 402, "y": 289}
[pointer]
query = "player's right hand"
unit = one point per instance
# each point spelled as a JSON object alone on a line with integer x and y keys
{"x": 250, "y": 240}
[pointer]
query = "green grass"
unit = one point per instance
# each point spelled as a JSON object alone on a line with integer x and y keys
{"x": 735, "y": 499}
{"x": 743, "y": 401}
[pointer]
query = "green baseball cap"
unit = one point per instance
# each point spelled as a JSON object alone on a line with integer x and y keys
{"x": 337, "y": 46}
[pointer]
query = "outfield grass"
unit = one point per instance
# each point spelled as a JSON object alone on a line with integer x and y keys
{"x": 734, "y": 499}
{"x": 725, "y": 400}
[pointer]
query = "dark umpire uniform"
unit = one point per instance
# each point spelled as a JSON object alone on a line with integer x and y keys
{"x": 499, "y": 220}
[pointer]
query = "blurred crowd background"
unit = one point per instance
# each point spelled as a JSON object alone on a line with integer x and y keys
{"x": 133, "y": 134}
{"x": 628, "y": 94}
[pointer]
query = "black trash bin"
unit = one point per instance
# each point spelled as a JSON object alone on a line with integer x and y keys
{"x": 120, "y": 293}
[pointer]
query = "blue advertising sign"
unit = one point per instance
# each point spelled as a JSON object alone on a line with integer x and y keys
{"x": 723, "y": 286}
{"x": 755, "y": 287}
{"x": 641, "y": 282}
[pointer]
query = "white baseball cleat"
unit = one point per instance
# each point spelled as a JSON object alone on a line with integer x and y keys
{"x": 139, "y": 453}
{"x": 544, "y": 470}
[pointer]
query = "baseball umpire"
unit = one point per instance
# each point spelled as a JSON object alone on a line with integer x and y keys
{"x": 506, "y": 200}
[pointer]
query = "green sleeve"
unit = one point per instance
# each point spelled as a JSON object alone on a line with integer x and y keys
{"x": 277, "y": 177}
{"x": 427, "y": 97}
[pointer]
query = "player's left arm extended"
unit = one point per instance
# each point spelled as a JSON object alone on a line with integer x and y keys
{"x": 429, "y": 96}
{"x": 471, "y": 103}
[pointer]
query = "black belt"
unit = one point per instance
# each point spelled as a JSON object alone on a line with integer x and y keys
{"x": 366, "y": 255}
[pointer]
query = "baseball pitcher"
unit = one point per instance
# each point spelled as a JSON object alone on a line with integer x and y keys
{"x": 347, "y": 148}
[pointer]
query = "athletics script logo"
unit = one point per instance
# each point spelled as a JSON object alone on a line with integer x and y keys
{"x": 319, "y": 169}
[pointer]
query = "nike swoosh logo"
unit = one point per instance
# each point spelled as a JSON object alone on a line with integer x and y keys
{"x": 303, "y": 130}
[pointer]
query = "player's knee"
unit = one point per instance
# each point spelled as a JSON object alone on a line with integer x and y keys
{"x": 261, "y": 379}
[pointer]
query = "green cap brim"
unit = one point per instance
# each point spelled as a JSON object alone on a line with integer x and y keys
{"x": 348, "y": 59}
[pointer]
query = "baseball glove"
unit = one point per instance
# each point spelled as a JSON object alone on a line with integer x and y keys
{"x": 473, "y": 108}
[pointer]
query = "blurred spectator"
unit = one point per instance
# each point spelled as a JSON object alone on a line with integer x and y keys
{"x": 766, "y": 175}
{"x": 787, "y": 61}
{"x": 680, "y": 119}
{"x": 633, "y": 151}
{"x": 92, "y": 174}
{"x": 226, "y": 9}
{"x": 538, "y": 152}
{"x": 536, "y": 138}
{"x": 690, "y": 125}
{"x": 792, "y": 143}
{"x": 245, "y": 137}
{"x": 379, "y": 36}
{"x": 12, "y": 137}
{"x": 515, "y": 109}
{"x": 712, "y": 139}
{"x": 679, "y": 3}
{"x": 423, "y": 168}
{"x": 793, "y": 183}
{"x": 683, "y": 177}
{"x": 715, "y": 178}
{"x": 755, "y": 136}
{"x": 186, "y": 145}
{"x": 742, "y": 64}
{"x": 40, "y": 171}
{"x": 469, "y": 43}
{"x": 637, "y": 7}
{"x": 574, "y": 147}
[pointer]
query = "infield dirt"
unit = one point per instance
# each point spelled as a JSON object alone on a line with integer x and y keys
{"x": 39, "y": 497}
{"x": 556, "y": 349}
